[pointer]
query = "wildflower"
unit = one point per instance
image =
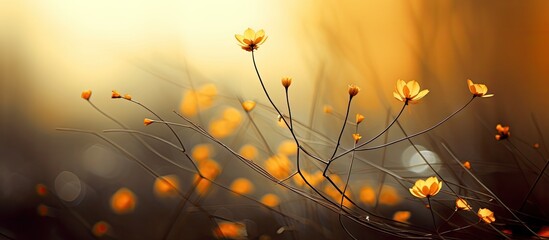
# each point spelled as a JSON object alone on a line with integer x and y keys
{"x": 242, "y": 186}
{"x": 86, "y": 94}
{"x": 402, "y": 216}
{"x": 100, "y": 228}
{"x": 461, "y": 204}
{"x": 467, "y": 165}
{"x": 503, "y": 132}
{"x": 486, "y": 215}
{"x": 248, "y": 105}
{"x": 426, "y": 188}
{"x": 356, "y": 137}
{"x": 251, "y": 39}
{"x": 147, "y": 121}
{"x": 166, "y": 186}
{"x": 359, "y": 118}
{"x": 286, "y": 81}
{"x": 270, "y": 200}
{"x": 115, "y": 94}
{"x": 477, "y": 89}
{"x": 127, "y": 97}
{"x": 408, "y": 92}
{"x": 353, "y": 90}
{"x": 123, "y": 201}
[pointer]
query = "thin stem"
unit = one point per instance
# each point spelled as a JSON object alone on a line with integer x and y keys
{"x": 534, "y": 185}
{"x": 289, "y": 109}
{"x": 341, "y": 132}
{"x": 343, "y": 194}
{"x": 409, "y": 136}
{"x": 488, "y": 190}
{"x": 432, "y": 214}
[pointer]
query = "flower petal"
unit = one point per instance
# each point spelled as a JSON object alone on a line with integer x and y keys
{"x": 400, "y": 86}
{"x": 240, "y": 39}
{"x": 421, "y": 95}
{"x": 413, "y": 86}
{"x": 398, "y": 97}
{"x": 260, "y": 34}
{"x": 249, "y": 34}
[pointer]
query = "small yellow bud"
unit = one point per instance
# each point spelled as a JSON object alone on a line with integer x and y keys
{"x": 115, "y": 94}
{"x": 147, "y": 121}
{"x": 248, "y": 105}
{"x": 467, "y": 165}
{"x": 128, "y": 97}
{"x": 86, "y": 94}
{"x": 356, "y": 137}
{"x": 286, "y": 81}
{"x": 353, "y": 90}
{"x": 359, "y": 118}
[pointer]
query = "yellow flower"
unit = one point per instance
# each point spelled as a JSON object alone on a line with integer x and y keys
{"x": 251, "y": 39}
{"x": 461, "y": 204}
{"x": 115, "y": 94}
{"x": 486, "y": 215}
{"x": 286, "y": 81}
{"x": 503, "y": 132}
{"x": 408, "y": 92}
{"x": 86, "y": 94}
{"x": 353, "y": 90}
{"x": 356, "y": 137}
{"x": 467, "y": 165}
{"x": 426, "y": 188}
{"x": 248, "y": 105}
{"x": 147, "y": 121}
{"x": 477, "y": 89}
{"x": 127, "y": 97}
{"x": 359, "y": 118}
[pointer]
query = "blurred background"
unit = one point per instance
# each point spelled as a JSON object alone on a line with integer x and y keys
{"x": 53, "y": 50}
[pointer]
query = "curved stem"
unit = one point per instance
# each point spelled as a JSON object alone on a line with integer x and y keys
{"x": 342, "y": 129}
{"x": 421, "y": 132}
